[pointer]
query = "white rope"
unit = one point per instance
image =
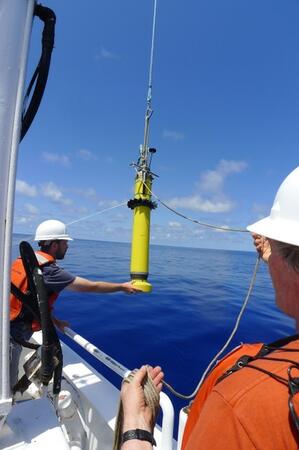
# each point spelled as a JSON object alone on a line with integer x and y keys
{"x": 31, "y": 237}
{"x": 214, "y": 360}
{"x": 97, "y": 213}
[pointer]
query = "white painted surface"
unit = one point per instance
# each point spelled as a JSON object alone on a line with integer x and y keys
{"x": 15, "y": 28}
{"x": 33, "y": 425}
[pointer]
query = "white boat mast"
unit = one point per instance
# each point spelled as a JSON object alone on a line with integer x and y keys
{"x": 15, "y": 29}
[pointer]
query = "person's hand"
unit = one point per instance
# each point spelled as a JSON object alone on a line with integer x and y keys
{"x": 262, "y": 246}
{"x": 60, "y": 324}
{"x": 136, "y": 413}
{"x": 129, "y": 288}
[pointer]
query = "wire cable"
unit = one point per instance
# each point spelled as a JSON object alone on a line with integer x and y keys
{"x": 149, "y": 111}
{"x": 150, "y": 80}
{"x": 204, "y": 224}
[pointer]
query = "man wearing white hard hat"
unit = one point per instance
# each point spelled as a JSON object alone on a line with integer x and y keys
{"x": 52, "y": 238}
{"x": 250, "y": 400}
{"x": 277, "y": 240}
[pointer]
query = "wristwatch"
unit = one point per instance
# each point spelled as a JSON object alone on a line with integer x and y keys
{"x": 141, "y": 435}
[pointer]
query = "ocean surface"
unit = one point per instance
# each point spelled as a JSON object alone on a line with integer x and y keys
{"x": 197, "y": 295}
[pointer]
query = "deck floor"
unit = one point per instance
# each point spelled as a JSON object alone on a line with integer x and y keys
{"x": 32, "y": 425}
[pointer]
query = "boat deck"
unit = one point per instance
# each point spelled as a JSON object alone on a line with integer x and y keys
{"x": 32, "y": 424}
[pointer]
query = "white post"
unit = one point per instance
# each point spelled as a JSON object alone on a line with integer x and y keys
{"x": 182, "y": 423}
{"x": 167, "y": 422}
{"x": 15, "y": 29}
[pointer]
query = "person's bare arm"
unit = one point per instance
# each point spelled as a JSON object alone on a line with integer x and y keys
{"x": 137, "y": 415}
{"x": 100, "y": 287}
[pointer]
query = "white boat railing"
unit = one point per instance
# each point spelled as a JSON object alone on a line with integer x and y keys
{"x": 97, "y": 353}
{"x": 165, "y": 402}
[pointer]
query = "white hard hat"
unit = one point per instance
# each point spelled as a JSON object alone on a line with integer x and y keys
{"x": 50, "y": 230}
{"x": 283, "y": 222}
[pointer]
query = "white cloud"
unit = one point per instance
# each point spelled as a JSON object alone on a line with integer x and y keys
{"x": 197, "y": 203}
{"x": 86, "y": 155}
{"x": 261, "y": 209}
{"x": 213, "y": 180}
{"x": 56, "y": 158}
{"x": 198, "y": 232}
{"x": 31, "y": 209}
{"x": 175, "y": 225}
{"x": 177, "y": 235}
{"x": 103, "y": 204}
{"x": 106, "y": 54}
{"x": 173, "y": 135}
{"x": 209, "y": 196}
{"x": 24, "y": 188}
{"x": 89, "y": 193}
{"x": 51, "y": 191}
{"x": 21, "y": 220}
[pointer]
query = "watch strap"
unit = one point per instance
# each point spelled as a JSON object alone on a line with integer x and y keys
{"x": 141, "y": 435}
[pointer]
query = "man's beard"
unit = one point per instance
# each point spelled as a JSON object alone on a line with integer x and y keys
{"x": 60, "y": 254}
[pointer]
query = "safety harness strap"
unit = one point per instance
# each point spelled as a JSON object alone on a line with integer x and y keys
{"x": 291, "y": 381}
{"x": 36, "y": 301}
{"x": 265, "y": 350}
{"x": 28, "y": 301}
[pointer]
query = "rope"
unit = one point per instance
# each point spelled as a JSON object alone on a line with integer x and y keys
{"x": 96, "y": 213}
{"x": 31, "y": 237}
{"x": 214, "y": 360}
{"x": 204, "y": 224}
{"x": 152, "y": 398}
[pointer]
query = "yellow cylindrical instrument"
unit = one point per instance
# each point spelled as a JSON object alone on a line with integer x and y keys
{"x": 141, "y": 205}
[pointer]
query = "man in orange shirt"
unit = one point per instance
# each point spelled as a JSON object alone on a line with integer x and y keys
{"x": 255, "y": 406}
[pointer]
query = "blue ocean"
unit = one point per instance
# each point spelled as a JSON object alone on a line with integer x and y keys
{"x": 197, "y": 295}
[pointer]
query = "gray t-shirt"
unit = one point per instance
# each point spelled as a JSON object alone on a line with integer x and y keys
{"x": 56, "y": 279}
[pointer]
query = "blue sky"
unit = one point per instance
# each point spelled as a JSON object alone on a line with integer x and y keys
{"x": 225, "y": 122}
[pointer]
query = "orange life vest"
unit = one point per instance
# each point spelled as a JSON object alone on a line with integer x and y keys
{"x": 221, "y": 367}
{"x": 19, "y": 279}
